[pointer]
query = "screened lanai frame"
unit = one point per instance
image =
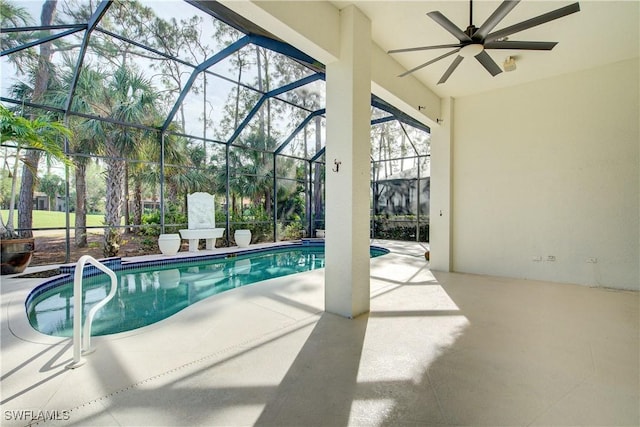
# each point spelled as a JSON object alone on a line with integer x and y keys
{"x": 310, "y": 165}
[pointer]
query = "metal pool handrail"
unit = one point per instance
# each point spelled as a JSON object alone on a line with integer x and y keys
{"x": 82, "y": 344}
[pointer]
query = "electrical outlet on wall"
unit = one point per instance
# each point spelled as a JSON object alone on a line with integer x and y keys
{"x": 551, "y": 258}
{"x": 592, "y": 260}
{"x": 536, "y": 259}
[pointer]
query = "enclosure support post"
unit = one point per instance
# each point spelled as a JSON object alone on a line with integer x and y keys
{"x": 310, "y": 207}
{"x": 275, "y": 201}
{"x": 374, "y": 192}
{"x": 418, "y": 202}
{"x": 347, "y": 281}
{"x": 67, "y": 200}
{"x": 162, "y": 183}
{"x": 228, "y": 195}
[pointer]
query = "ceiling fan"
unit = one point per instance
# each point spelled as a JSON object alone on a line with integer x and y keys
{"x": 475, "y": 41}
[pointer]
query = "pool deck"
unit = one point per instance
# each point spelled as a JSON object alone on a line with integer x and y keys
{"x": 436, "y": 349}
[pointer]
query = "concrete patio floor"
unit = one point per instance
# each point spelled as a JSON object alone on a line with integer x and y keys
{"x": 436, "y": 349}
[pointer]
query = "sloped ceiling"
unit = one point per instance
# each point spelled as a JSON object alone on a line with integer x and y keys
{"x": 602, "y": 32}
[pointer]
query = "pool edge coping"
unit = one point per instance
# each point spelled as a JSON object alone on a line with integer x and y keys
{"x": 16, "y": 305}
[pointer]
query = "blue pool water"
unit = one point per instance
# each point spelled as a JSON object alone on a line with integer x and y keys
{"x": 146, "y": 295}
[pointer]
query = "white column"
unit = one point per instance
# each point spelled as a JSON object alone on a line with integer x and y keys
{"x": 347, "y": 182}
{"x": 440, "y": 219}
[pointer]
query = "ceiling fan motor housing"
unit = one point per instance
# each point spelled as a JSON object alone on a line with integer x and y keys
{"x": 472, "y": 49}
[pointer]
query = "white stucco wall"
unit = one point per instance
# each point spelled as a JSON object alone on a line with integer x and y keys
{"x": 550, "y": 168}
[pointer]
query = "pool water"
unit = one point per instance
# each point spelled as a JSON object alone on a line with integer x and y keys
{"x": 149, "y": 294}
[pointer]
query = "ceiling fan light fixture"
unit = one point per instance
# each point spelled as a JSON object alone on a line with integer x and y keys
{"x": 471, "y": 50}
{"x": 509, "y": 63}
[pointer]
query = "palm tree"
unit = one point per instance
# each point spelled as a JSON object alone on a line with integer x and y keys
{"x": 84, "y": 144}
{"x": 35, "y": 134}
{"x": 140, "y": 173}
{"x": 15, "y": 16}
{"x": 43, "y": 74}
{"x": 259, "y": 168}
{"x": 127, "y": 97}
{"x": 176, "y": 153}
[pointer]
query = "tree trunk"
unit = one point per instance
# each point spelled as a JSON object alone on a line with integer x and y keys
{"x": 403, "y": 150}
{"x": 25, "y": 205}
{"x": 237, "y": 109}
{"x": 137, "y": 206}
{"x": 115, "y": 179}
{"x": 261, "y": 112}
{"x": 382, "y": 151}
{"x": 171, "y": 191}
{"x": 127, "y": 216}
{"x": 388, "y": 147}
{"x": 12, "y": 198}
{"x": 81, "y": 204}
{"x": 25, "y": 201}
{"x": 268, "y": 201}
{"x": 267, "y": 89}
{"x": 44, "y": 61}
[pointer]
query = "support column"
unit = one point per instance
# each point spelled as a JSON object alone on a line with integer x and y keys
{"x": 348, "y": 85}
{"x": 440, "y": 220}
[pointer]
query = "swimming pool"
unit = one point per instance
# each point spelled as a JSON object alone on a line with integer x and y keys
{"x": 147, "y": 293}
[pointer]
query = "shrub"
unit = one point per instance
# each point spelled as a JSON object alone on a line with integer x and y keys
{"x": 172, "y": 216}
{"x": 399, "y": 228}
{"x": 293, "y": 230}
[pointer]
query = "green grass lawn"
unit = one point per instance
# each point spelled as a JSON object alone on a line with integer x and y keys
{"x": 46, "y": 219}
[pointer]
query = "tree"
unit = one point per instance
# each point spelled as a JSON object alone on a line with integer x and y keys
{"x": 36, "y": 134}
{"x": 179, "y": 39}
{"x": 143, "y": 174}
{"x": 5, "y": 187}
{"x": 84, "y": 144}
{"x": 15, "y": 16}
{"x": 95, "y": 188}
{"x": 32, "y": 158}
{"x": 52, "y": 185}
{"x": 254, "y": 171}
{"x": 127, "y": 97}
{"x": 225, "y": 35}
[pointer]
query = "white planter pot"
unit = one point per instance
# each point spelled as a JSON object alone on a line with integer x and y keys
{"x": 169, "y": 244}
{"x": 320, "y": 234}
{"x": 242, "y": 238}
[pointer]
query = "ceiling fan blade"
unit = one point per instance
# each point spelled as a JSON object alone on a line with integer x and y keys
{"x": 451, "y": 69}
{"x": 488, "y": 63}
{"x": 429, "y": 62}
{"x": 538, "y": 20}
{"x": 520, "y": 45}
{"x": 449, "y": 26}
{"x": 495, "y": 18}
{"x": 413, "y": 49}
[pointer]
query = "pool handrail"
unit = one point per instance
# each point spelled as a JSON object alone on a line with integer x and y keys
{"x": 82, "y": 339}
